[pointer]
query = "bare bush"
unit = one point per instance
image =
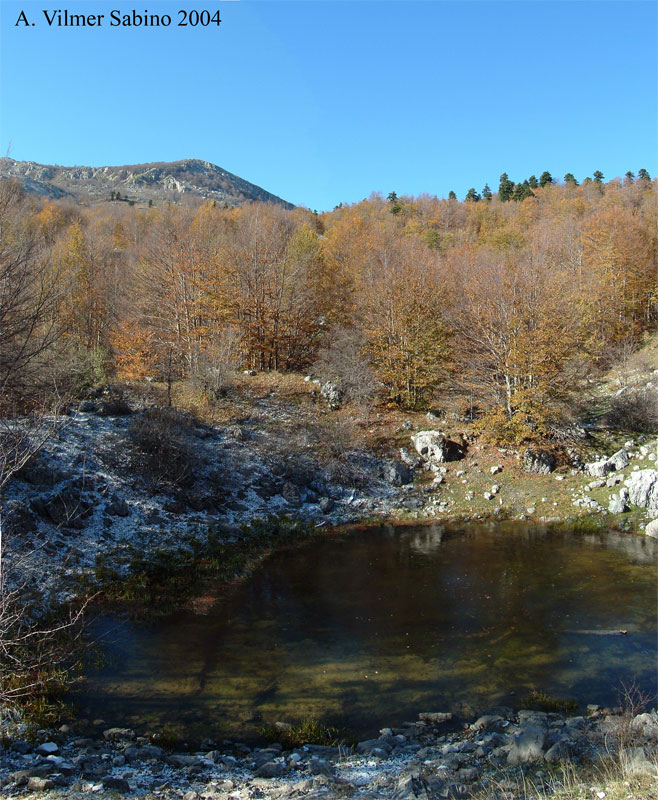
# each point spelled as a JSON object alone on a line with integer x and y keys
{"x": 36, "y": 658}
{"x": 217, "y": 365}
{"x": 342, "y": 360}
{"x": 35, "y": 653}
{"x": 329, "y": 446}
{"x": 635, "y": 411}
{"x": 339, "y": 442}
{"x": 161, "y": 448}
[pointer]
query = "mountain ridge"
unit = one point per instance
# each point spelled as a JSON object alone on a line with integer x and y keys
{"x": 185, "y": 180}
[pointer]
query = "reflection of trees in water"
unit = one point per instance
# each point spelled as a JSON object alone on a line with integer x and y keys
{"x": 434, "y": 617}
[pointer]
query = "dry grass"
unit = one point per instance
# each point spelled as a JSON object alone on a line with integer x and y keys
{"x": 612, "y": 778}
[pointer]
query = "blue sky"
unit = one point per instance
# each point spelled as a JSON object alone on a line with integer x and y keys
{"x": 323, "y": 101}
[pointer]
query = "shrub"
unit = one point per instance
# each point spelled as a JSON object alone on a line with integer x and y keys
{"x": 217, "y": 366}
{"x": 635, "y": 411}
{"x": 159, "y": 437}
{"x": 342, "y": 360}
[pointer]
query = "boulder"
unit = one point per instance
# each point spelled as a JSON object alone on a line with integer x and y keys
{"x": 599, "y": 469}
{"x": 528, "y": 745}
{"x": 617, "y": 505}
{"x": 397, "y": 473}
{"x": 435, "y": 448}
{"x": 643, "y": 488}
{"x": 620, "y": 459}
{"x": 560, "y": 751}
{"x": 646, "y": 725}
{"x": 47, "y": 749}
{"x": 409, "y": 459}
{"x": 291, "y": 494}
{"x": 326, "y": 504}
{"x": 332, "y": 393}
{"x": 119, "y": 735}
{"x": 541, "y": 462}
{"x": 118, "y": 507}
{"x": 116, "y": 784}
{"x": 271, "y": 769}
{"x": 652, "y": 529}
{"x": 375, "y": 747}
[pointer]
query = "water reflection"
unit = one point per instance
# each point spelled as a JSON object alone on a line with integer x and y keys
{"x": 371, "y": 628}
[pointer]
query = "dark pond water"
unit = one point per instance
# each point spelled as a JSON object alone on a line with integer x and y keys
{"x": 369, "y": 628}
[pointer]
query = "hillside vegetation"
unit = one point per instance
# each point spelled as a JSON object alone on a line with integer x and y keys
{"x": 497, "y": 311}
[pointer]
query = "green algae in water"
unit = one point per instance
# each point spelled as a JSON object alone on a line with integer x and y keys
{"x": 371, "y": 628}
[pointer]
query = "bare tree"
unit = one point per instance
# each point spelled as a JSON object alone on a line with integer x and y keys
{"x": 28, "y": 292}
{"x": 29, "y": 653}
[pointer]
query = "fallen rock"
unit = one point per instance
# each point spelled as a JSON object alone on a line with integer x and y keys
{"x": 652, "y": 529}
{"x": 375, "y": 747}
{"x": 646, "y": 724}
{"x": 435, "y": 448}
{"x": 118, "y": 507}
{"x": 528, "y": 745}
{"x": 541, "y": 462}
{"x": 48, "y": 749}
{"x": 332, "y": 393}
{"x": 617, "y": 505}
{"x": 116, "y": 784}
{"x": 397, "y": 473}
{"x": 637, "y": 762}
{"x": 39, "y": 784}
{"x": 409, "y": 459}
{"x": 643, "y": 488}
{"x": 270, "y": 769}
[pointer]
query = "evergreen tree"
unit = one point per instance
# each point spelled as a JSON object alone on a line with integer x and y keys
{"x": 522, "y": 190}
{"x": 545, "y": 178}
{"x": 629, "y": 178}
{"x": 643, "y": 175}
{"x": 598, "y": 176}
{"x": 452, "y": 195}
{"x": 395, "y": 205}
{"x": 587, "y": 181}
{"x": 532, "y": 182}
{"x": 570, "y": 178}
{"x": 472, "y": 196}
{"x": 487, "y": 194}
{"x": 506, "y": 188}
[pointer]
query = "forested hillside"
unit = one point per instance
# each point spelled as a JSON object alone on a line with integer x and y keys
{"x": 497, "y": 307}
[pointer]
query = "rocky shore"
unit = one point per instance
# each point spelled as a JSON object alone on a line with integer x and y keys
{"x": 436, "y": 756}
{"x": 84, "y": 501}
{"x": 90, "y": 495}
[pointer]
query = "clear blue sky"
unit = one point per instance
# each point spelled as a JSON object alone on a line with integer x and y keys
{"x": 323, "y": 101}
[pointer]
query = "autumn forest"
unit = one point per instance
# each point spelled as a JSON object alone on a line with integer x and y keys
{"x": 500, "y": 305}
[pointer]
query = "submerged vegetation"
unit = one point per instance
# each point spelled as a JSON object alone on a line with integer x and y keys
{"x": 546, "y": 702}
{"x": 159, "y": 582}
{"x": 308, "y": 731}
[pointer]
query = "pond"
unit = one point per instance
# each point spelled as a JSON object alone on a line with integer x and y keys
{"x": 369, "y": 628}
